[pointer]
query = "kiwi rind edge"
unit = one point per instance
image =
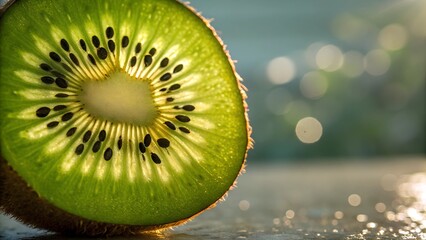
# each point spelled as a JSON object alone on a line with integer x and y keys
{"x": 19, "y": 200}
{"x": 27, "y": 207}
{"x": 5, "y": 6}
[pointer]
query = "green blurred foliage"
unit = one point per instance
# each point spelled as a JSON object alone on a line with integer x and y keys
{"x": 369, "y": 115}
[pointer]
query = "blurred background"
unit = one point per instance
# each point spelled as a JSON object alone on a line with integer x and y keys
{"x": 329, "y": 79}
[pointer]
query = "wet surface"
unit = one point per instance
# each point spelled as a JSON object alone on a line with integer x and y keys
{"x": 384, "y": 199}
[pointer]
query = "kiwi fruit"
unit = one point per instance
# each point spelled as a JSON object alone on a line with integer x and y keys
{"x": 116, "y": 116}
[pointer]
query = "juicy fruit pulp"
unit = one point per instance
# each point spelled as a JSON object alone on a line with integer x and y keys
{"x": 124, "y": 112}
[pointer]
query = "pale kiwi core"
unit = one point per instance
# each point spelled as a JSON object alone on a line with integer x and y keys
{"x": 120, "y": 98}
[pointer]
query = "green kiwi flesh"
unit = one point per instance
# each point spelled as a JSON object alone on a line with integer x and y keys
{"x": 118, "y": 112}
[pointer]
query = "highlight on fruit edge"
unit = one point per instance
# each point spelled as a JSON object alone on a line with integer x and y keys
{"x": 243, "y": 119}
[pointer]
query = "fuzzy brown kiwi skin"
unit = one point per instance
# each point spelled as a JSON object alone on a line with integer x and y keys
{"x": 19, "y": 200}
{"x": 24, "y": 204}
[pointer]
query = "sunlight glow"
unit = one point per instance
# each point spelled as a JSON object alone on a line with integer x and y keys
{"x": 313, "y": 85}
{"x": 377, "y": 62}
{"x": 281, "y": 70}
{"x": 393, "y": 37}
{"x": 329, "y": 58}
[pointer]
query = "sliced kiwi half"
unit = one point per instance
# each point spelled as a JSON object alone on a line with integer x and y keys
{"x": 116, "y": 116}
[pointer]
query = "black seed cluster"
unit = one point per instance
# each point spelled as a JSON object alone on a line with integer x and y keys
{"x": 54, "y": 76}
{"x": 147, "y": 60}
{"x": 47, "y": 80}
{"x": 79, "y": 149}
{"x": 184, "y": 129}
{"x": 59, "y": 107}
{"x": 67, "y": 116}
{"x": 55, "y": 57}
{"x": 86, "y": 136}
{"x": 83, "y": 45}
{"x": 74, "y": 59}
{"x": 155, "y": 158}
{"x": 133, "y": 61}
{"x": 65, "y": 45}
{"x": 147, "y": 141}
{"x": 65, "y": 61}
{"x": 52, "y": 124}
{"x": 60, "y": 82}
{"x": 101, "y": 51}
{"x": 91, "y": 59}
{"x": 178, "y": 68}
{"x": 46, "y": 67}
{"x": 102, "y": 135}
{"x": 97, "y": 145}
{"x": 163, "y": 142}
{"x": 188, "y": 108}
{"x": 95, "y": 41}
{"x": 111, "y": 45}
{"x": 174, "y": 87}
{"x": 109, "y": 32}
{"x": 165, "y": 77}
{"x": 62, "y": 95}
{"x": 142, "y": 147}
{"x": 71, "y": 131}
{"x": 164, "y": 62}
{"x": 108, "y": 154}
{"x": 138, "y": 48}
{"x": 43, "y": 112}
{"x": 120, "y": 143}
{"x": 125, "y": 42}
{"x": 170, "y": 125}
{"x": 182, "y": 118}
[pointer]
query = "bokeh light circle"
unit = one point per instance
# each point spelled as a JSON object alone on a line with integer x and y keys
{"x": 309, "y": 130}
{"x": 281, "y": 70}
